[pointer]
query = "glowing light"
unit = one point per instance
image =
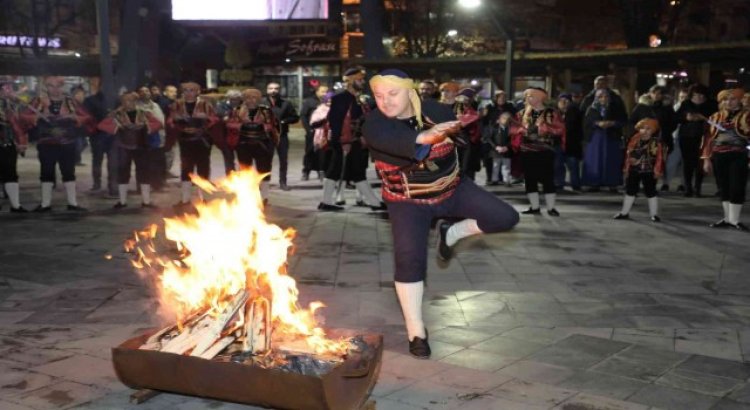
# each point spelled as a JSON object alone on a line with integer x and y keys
{"x": 452, "y": 33}
{"x": 470, "y": 4}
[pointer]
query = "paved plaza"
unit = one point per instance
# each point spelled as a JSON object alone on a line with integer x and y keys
{"x": 579, "y": 312}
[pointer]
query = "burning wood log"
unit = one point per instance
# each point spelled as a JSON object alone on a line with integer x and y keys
{"x": 257, "y": 329}
{"x": 213, "y": 331}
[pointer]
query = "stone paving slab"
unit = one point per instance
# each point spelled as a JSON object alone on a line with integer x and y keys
{"x": 579, "y": 312}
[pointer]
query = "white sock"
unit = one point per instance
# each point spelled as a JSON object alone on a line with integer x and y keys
{"x": 653, "y": 206}
{"x": 11, "y": 188}
{"x": 725, "y": 206}
{"x": 734, "y": 213}
{"x": 264, "y": 188}
{"x": 186, "y": 191}
{"x": 47, "y": 194}
{"x": 70, "y": 192}
{"x": 364, "y": 189}
{"x": 627, "y": 204}
{"x": 122, "y": 190}
{"x": 358, "y": 196}
{"x": 410, "y": 297}
{"x": 340, "y": 192}
{"x": 533, "y": 199}
{"x": 329, "y": 186}
{"x": 460, "y": 230}
{"x": 146, "y": 193}
{"x": 550, "y": 199}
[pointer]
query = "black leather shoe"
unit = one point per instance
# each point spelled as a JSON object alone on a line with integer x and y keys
{"x": 419, "y": 347}
{"x": 329, "y": 208}
{"x": 119, "y": 205}
{"x": 665, "y": 188}
{"x": 380, "y": 207}
{"x": 305, "y": 176}
{"x": 76, "y": 208}
{"x": 284, "y": 187}
{"x": 532, "y": 211}
{"x": 444, "y": 252}
{"x": 655, "y": 218}
{"x": 720, "y": 224}
{"x": 621, "y": 216}
{"x": 361, "y": 203}
{"x": 341, "y": 203}
{"x": 42, "y": 209}
{"x": 19, "y": 210}
{"x": 553, "y": 212}
{"x": 740, "y": 227}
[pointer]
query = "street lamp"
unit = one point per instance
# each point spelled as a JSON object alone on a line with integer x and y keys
{"x": 452, "y": 33}
{"x": 508, "y": 77}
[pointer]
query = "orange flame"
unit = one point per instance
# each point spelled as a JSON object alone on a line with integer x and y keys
{"x": 226, "y": 247}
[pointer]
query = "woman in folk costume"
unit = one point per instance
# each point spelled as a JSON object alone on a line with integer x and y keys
{"x": 725, "y": 154}
{"x": 534, "y": 135}
{"x": 644, "y": 164}
{"x": 602, "y": 129}
{"x": 253, "y": 134}
{"x": 57, "y": 118}
{"x": 132, "y": 127}
{"x": 13, "y": 141}
{"x": 418, "y": 165}
{"x": 191, "y": 121}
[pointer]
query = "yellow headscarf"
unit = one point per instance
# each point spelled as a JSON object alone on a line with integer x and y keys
{"x": 401, "y": 82}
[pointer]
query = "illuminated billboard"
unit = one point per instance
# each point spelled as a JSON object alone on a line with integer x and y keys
{"x": 249, "y": 10}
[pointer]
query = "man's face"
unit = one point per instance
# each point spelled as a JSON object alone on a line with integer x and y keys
{"x": 563, "y": 103}
{"x": 171, "y": 92}
{"x": 273, "y": 90}
{"x": 190, "y": 93}
{"x": 656, "y": 95}
{"x": 426, "y": 90}
{"x": 321, "y": 91}
{"x": 698, "y": 98}
{"x": 155, "y": 91}
{"x": 392, "y": 101}
{"x": 54, "y": 89}
{"x": 601, "y": 83}
{"x": 603, "y": 99}
{"x": 358, "y": 82}
{"x": 500, "y": 98}
{"x": 682, "y": 96}
{"x": 144, "y": 93}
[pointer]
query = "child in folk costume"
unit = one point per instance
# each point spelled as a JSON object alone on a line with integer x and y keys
{"x": 644, "y": 164}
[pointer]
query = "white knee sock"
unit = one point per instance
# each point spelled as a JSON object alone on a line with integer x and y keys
{"x": 550, "y": 199}
{"x": 264, "y": 188}
{"x": 368, "y": 195}
{"x": 70, "y": 192}
{"x": 340, "y": 192}
{"x": 653, "y": 206}
{"x": 329, "y": 186}
{"x": 47, "y": 194}
{"x": 146, "y": 193}
{"x": 122, "y": 191}
{"x": 460, "y": 230}
{"x": 533, "y": 199}
{"x": 11, "y": 188}
{"x": 725, "y": 206}
{"x": 186, "y": 191}
{"x": 734, "y": 213}
{"x": 410, "y": 297}
{"x": 627, "y": 204}
{"x": 358, "y": 195}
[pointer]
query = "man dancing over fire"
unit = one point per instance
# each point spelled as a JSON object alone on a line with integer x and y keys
{"x": 418, "y": 164}
{"x": 252, "y": 133}
{"x": 190, "y": 122}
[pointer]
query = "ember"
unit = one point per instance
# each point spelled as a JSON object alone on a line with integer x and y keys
{"x": 225, "y": 287}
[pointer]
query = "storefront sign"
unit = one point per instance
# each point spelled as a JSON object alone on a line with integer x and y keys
{"x": 297, "y": 49}
{"x": 28, "y": 41}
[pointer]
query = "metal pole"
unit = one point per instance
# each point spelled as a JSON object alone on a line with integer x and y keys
{"x": 508, "y": 80}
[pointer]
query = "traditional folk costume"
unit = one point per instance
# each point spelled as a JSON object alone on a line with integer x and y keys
{"x": 347, "y": 153}
{"x": 725, "y": 145}
{"x": 136, "y": 137}
{"x": 252, "y": 132}
{"x": 191, "y": 123}
{"x": 57, "y": 122}
{"x": 644, "y": 164}
{"x": 420, "y": 183}
{"x": 534, "y": 135}
{"x": 13, "y": 140}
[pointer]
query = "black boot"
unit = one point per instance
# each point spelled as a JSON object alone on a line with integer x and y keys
{"x": 419, "y": 347}
{"x": 444, "y": 252}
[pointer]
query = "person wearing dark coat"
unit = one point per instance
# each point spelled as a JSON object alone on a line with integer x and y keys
{"x": 312, "y": 159}
{"x": 285, "y": 114}
{"x": 603, "y": 156}
{"x": 490, "y": 115}
{"x": 692, "y": 116}
{"x": 573, "y": 150}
